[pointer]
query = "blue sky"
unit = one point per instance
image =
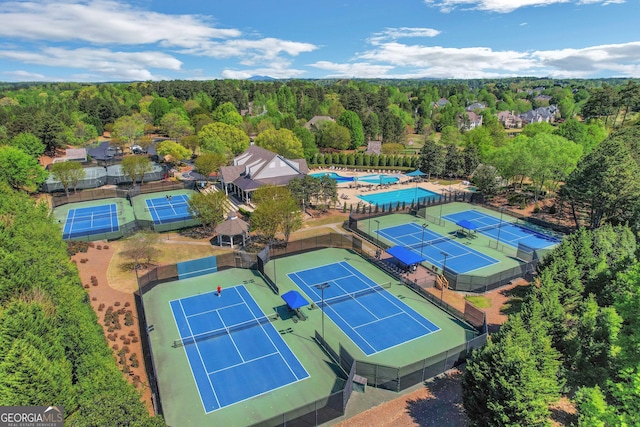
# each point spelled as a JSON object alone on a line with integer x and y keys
{"x": 118, "y": 40}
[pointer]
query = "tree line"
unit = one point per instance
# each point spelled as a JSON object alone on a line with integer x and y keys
{"x": 52, "y": 349}
{"x": 575, "y": 333}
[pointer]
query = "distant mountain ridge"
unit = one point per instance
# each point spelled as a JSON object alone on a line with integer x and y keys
{"x": 261, "y": 78}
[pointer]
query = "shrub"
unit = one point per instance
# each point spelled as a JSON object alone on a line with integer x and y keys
{"x": 128, "y": 318}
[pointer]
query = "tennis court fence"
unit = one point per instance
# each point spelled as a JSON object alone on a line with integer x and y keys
{"x": 559, "y": 229}
{"x": 87, "y": 195}
{"x": 458, "y": 282}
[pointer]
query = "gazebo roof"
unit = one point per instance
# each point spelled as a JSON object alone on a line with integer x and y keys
{"x": 232, "y": 226}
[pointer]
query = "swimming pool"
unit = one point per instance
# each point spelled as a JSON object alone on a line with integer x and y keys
{"x": 369, "y": 179}
{"x": 378, "y": 179}
{"x": 407, "y": 196}
{"x": 333, "y": 175}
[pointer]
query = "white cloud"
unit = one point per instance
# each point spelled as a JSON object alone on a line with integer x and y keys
{"x": 505, "y": 6}
{"x": 397, "y": 60}
{"x": 358, "y": 69}
{"x": 251, "y": 51}
{"x": 455, "y": 59}
{"x": 617, "y": 59}
{"x": 109, "y": 23}
{"x": 104, "y": 62}
{"x": 402, "y": 32}
{"x": 25, "y": 76}
{"x": 104, "y": 22}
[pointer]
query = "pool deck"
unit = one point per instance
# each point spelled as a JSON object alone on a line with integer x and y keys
{"x": 350, "y": 195}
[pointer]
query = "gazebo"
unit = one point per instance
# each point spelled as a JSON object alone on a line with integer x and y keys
{"x": 230, "y": 229}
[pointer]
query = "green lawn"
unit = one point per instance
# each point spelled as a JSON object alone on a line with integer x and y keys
{"x": 479, "y": 301}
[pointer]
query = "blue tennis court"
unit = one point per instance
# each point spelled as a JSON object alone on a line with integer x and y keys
{"x": 234, "y": 351}
{"x": 91, "y": 220}
{"x": 373, "y": 318}
{"x": 169, "y": 208}
{"x": 509, "y": 233}
{"x": 434, "y": 246}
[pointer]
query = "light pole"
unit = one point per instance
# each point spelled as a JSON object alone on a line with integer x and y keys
{"x": 377, "y": 232}
{"x": 444, "y": 265}
{"x": 422, "y": 241}
{"x": 322, "y": 287}
{"x": 499, "y": 228}
{"x": 444, "y": 198}
{"x": 369, "y": 221}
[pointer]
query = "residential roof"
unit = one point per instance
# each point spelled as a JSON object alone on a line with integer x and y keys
{"x": 76, "y": 154}
{"x": 476, "y": 106}
{"x": 257, "y": 167}
{"x": 317, "y": 119}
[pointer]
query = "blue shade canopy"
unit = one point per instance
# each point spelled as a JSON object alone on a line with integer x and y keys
{"x": 404, "y": 255}
{"x": 294, "y": 300}
{"x": 466, "y": 224}
{"x": 416, "y": 172}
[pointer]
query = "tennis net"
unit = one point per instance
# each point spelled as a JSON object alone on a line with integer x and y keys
{"x": 170, "y": 206}
{"x": 354, "y": 295}
{"x": 227, "y": 330}
{"x": 493, "y": 226}
{"x": 92, "y": 216}
{"x": 418, "y": 246}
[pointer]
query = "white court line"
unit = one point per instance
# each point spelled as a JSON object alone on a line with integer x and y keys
{"x": 272, "y": 343}
{"x": 204, "y": 367}
{"x": 392, "y": 299}
{"x": 215, "y": 309}
{"x": 244, "y": 362}
{"x": 338, "y": 315}
{"x": 230, "y": 337}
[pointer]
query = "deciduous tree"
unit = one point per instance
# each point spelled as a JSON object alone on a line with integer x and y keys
{"x": 29, "y": 143}
{"x": 223, "y": 139}
{"x": 172, "y": 149}
{"x": 69, "y": 174}
{"x": 20, "y": 170}
{"x": 207, "y": 163}
{"x": 276, "y": 210}
{"x": 281, "y": 141}
{"x": 135, "y": 167}
{"x": 210, "y": 207}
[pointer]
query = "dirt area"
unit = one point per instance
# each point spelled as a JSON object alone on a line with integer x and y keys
{"x": 92, "y": 266}
{"x": 437, "y": 404}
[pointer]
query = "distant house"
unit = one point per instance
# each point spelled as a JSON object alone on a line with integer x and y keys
{"x": 374, "y": 147}
{"x": 440, "y": 103}
{"x": 473, "y": 121}
{"x": 476, "y": 106}
{"x": 509, "y": 120}
{"x": 539, "y": 115}
{"x": 258, "y": 167}
{"x": 315, "y": 122}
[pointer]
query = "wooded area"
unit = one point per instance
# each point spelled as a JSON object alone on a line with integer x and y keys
{"x": 575, "y": 334}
